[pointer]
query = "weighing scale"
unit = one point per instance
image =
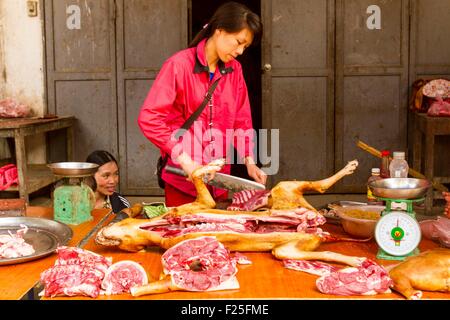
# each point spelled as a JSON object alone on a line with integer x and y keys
{"x": 397, "y": 233}
{"x": 73, "y": 199}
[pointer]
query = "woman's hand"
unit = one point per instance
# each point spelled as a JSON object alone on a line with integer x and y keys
{"x": 254, "y": 172}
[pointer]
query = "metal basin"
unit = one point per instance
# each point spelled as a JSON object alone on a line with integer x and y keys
{"x": 400, "y": 188}
{"x": 73, "y": 169}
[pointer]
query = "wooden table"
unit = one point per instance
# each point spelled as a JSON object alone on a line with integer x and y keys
{"x": 427, "y": 128}
{"x": 36, "y": 176}
{"x": 16, "y": 280}
{"x": 266, "y": 278}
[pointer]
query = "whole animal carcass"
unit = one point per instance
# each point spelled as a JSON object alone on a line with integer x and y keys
{"x": 287, "y": 216}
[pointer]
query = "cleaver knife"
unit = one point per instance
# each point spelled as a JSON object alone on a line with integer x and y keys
{"x": 223, "y": 181}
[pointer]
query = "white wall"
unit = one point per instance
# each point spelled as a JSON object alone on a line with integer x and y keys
{"x": 22, "y": 64}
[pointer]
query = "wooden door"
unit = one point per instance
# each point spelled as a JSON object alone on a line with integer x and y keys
{"x": 430, "y": 59}
{"x": 148, "y": 32}
{"x": 298, "y": 85}
{"x": 81, "y": 72}
{"x": 371, "y": 82}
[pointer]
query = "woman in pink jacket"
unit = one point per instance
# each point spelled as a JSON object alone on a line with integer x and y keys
{"x": 180, "y": 88}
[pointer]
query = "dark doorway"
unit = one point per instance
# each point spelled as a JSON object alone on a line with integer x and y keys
{"x": 201, "y": 11}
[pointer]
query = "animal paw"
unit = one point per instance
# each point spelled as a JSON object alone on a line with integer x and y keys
{"x": 351, "y": 166}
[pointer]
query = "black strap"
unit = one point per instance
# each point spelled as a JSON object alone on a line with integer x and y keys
{"x": 199, "y": 110}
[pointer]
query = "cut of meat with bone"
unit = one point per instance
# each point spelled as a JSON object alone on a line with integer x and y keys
{"x": 369, "y": 278}
{"x": 123, "y": 275}
{"x": 200, "y": 264}
{"x": 249, "y": 200}
{"x": 313, "y": 267}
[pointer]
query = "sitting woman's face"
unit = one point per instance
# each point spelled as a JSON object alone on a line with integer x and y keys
{"x": 107, "y": 178}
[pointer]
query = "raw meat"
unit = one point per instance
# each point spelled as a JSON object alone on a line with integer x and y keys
{"x": 249, "y": 200}
{"x": 437, "y": 230}
{"x": 11, "y": 108}
{"x": 14, "y": 246}
{"x": 369, "y": 278}
{"x": 123, "y": 275}
{"x": 201, "y": 264}
{"x": 76, "y": 272}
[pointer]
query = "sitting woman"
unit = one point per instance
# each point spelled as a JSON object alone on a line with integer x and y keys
{"x": 106, "y": 180}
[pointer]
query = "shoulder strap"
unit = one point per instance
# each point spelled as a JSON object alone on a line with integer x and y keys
{"x": 199, "y": 110}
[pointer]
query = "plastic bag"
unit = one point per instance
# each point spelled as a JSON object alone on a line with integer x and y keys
{"x": 11, "y": 108}
{"x": 439, "y": 108}
{"x": 8, "y": 176}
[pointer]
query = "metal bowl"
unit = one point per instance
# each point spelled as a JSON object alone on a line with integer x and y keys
{"x": 400, "y": 188}
{"x": 73, "y": 169}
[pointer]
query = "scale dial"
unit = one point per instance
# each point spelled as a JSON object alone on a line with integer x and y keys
{"x": 397, "y": 233}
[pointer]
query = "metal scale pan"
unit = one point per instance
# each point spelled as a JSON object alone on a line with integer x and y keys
{"x": 44, "y": 235}
{"x": 73, "y": 169}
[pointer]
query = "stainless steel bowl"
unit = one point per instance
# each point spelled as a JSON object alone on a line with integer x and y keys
{"x": 400, "y": 188}
{"x": 73, "y": 169}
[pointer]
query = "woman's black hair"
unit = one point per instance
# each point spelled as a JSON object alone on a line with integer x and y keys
{"x": 99, "y": 157}
{"x": 231, "y": 17}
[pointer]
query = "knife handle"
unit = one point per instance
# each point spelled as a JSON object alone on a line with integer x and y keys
{"x": 177, "y": 171}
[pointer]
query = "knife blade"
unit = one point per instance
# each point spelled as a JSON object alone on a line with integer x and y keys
{"x": 223, "y": 181}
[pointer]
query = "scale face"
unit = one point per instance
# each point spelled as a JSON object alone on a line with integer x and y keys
{"x": 397, "y": 233}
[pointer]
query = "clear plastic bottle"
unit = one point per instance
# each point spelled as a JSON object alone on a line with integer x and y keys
{"x": 370, "y": 197}
{"x": 399, "y": 167}
{"x": 384, "y": 169}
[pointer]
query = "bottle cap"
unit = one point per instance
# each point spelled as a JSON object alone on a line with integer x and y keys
{"x": 376, "y": 170}
{"x": 385, "y": 153}
{"x": 399, "y": 155}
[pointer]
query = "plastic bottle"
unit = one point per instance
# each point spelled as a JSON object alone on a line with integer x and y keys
{"x": 399, "y": 167}
{"x": 384, "y": 169}
{"x": 371, "y": 200}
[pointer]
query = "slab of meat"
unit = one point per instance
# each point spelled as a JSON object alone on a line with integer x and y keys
{"x": 437, "y": 230}
{"x": 429, "y": 271}
{"x": 75, "y": 272}
{"x": 369, "y": 278}
{"x": 201, "y": 264}
{"x": 249, "y": 200}
{"x": 14, "y": 246}
{"x": 123, "y": 275}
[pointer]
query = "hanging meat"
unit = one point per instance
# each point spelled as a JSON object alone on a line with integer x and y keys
{"x": 287, "y": 216}
{"x": 201, "y": 264}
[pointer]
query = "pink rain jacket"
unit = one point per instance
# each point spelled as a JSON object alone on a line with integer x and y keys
{"x": 177, "y": 92}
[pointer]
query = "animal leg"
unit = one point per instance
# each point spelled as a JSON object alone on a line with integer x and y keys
{"x": 323, "y": 185}
{"x": 403, "y": 286}
{"x": 160, "y": 286}
{"x": 296, "y": 250}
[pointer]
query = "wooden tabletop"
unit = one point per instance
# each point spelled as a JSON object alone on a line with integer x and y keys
{"x": 265, "y": 278}
{"x": 16, "y": 280}
{"x": 14, "y": 123}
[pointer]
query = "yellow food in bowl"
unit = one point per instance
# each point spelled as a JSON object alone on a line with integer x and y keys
{"x": 362, "y": 214}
